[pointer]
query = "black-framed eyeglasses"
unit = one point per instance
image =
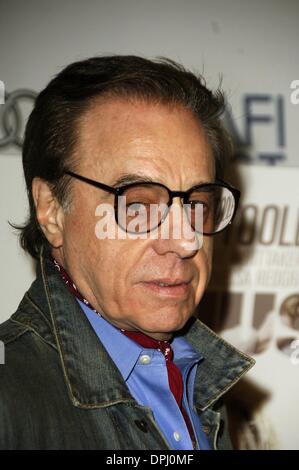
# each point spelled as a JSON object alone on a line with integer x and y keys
{"x": 218, "y": 203}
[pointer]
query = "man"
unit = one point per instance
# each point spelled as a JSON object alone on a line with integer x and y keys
{"x": 103, "y": 351}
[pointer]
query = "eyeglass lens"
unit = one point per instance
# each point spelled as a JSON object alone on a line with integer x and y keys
{"x": 150, "y": 202}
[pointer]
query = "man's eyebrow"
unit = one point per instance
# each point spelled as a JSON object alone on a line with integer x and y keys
{"x": 128, "y": 178}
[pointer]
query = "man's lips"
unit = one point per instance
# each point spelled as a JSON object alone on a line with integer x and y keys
{"x": 168, "y": 287}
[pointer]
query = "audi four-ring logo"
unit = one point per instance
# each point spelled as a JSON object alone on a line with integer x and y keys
{"x": 12, "y": 116}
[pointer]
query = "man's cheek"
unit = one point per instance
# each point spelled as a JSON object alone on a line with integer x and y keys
{"x": 206, "y": 258}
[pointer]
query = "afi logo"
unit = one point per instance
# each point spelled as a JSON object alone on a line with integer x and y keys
{"x": 263, "y": 125}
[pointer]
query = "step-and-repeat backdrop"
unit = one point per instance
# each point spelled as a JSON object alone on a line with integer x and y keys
{"x": 253, "y": 298}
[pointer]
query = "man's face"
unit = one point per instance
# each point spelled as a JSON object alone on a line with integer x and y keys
{"x": 120, "y": 277}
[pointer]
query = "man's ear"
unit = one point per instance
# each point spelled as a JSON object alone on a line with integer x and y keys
{"x": 49, "y": 212}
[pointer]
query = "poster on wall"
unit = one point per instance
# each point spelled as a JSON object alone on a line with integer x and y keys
{"x": 253, "y": 302}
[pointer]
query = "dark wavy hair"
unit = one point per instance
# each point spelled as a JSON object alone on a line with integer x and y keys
{"x": 52, "y": 128}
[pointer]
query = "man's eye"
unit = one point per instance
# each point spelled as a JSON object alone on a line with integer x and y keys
{"x": 137, "y": 206}
{"x": 197, "y": 204}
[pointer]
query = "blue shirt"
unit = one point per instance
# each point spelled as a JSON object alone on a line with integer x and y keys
{"x": 145, "y": 373}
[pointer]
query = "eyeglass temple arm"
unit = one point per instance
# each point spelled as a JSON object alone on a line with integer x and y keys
{"x": 92, "y": 182}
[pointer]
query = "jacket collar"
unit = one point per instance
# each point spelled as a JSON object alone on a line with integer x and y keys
{"x": 51, "y": 311}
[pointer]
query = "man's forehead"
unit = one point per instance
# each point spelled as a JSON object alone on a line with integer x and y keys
{"x": 109, "y": 120}
{"x": 121, "y": 136}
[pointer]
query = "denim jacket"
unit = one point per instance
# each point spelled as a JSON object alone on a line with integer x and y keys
{"x": 59, "y": 389}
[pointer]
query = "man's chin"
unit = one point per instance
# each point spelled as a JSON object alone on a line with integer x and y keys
{"x": 163, "y": 332}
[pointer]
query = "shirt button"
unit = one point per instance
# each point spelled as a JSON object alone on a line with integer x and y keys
{"x": 177, "y": 436}
{"x": 145, "y": 359}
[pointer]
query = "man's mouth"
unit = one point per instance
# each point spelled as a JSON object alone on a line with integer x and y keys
{"x": 168, "y": 287}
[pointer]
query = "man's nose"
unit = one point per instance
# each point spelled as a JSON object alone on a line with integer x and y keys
{"x": 176, "y": 234}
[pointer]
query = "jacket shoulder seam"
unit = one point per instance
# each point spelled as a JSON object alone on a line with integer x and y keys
{"x": 34, "y": 332}
{"x": 12, "y": 331}
{"x": 33, "y": 304}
